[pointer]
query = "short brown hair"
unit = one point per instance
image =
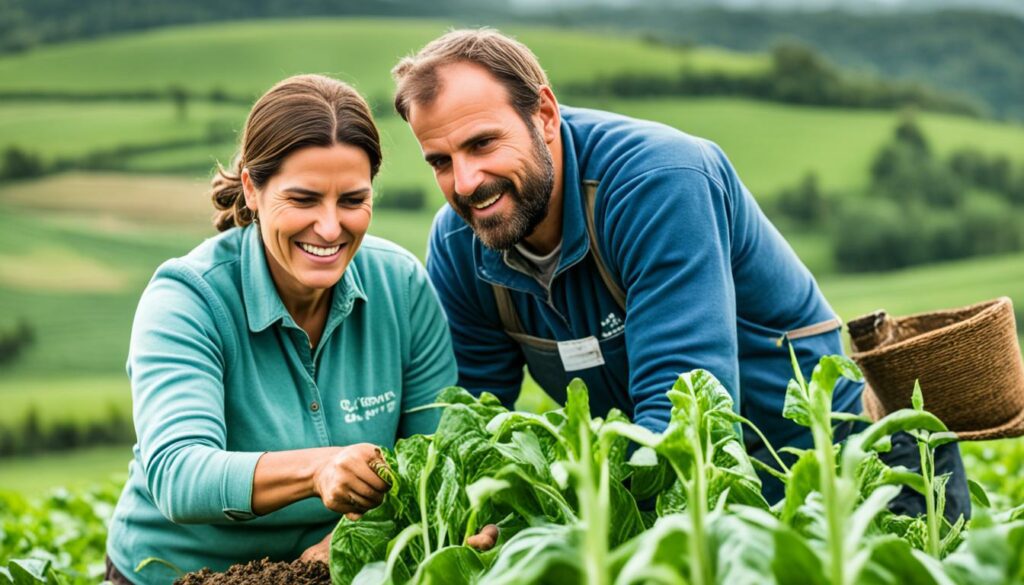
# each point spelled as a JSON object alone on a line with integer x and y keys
{"x": 508, "y": 60}
{"x": 301, "y": 111}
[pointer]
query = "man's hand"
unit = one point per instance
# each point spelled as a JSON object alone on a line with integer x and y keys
{"x": 320, "y": 551}
{"x": 484, "y": 540}
{"x": 347, "y": 482}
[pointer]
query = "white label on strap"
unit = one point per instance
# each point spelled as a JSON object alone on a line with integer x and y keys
{"x": 580, "y": 354}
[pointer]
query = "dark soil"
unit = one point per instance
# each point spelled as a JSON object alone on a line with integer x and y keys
{"x": 263, "y": 572}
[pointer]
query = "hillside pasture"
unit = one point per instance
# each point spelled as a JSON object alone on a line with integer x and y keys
{"x": 246, "y": 58}
{"x": 774, "y": 145}
{"x": 70, "y": 130}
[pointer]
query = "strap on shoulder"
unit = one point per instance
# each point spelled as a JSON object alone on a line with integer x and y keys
{"x": 590, "y": 194}
{"x": 506, "y": 310}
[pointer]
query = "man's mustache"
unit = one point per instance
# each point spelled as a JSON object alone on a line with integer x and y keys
{"x": 485, "y": 191}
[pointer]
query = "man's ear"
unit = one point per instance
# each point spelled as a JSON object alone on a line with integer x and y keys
{"x": 550, "y": 118}
{"x": 249, "y": 190}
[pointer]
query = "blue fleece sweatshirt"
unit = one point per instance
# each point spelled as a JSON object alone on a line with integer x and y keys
{"x": 710, "y": 283}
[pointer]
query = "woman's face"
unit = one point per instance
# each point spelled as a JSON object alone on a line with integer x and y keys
{"x": 313, "y": 215}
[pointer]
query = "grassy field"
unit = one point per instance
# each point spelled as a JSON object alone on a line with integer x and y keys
{"x": 928, "y": 287}
{"x": 83, "y": 467}
{"x": 774, "y": 145}
{"x": 72, "y": 130}
{"x": 246, "y": 58}
{"x": 771, "y": 145}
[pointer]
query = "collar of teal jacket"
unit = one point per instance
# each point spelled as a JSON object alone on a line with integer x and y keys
{"x": 263, "y": 306}
{"x": 491, "y": 265}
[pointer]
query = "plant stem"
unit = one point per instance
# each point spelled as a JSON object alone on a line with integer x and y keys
{"x": 829, "y": 493}
{"x": 931, "y": 514}
{"x": 697, "y": 503}
{"x": 595, "y": 548}
{"x": 764, "y": 440}
{"x": 428, "y": 467}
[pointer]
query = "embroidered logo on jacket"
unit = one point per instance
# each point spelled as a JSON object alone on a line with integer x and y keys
{"x": 366, "y": 407}
{"x": 611, "y": 325}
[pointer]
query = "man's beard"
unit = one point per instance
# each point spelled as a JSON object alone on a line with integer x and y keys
{"x": 529, "y": 201}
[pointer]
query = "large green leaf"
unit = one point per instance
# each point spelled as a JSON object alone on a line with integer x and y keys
{"x": 354, "y": 544}
{"x": 660, "y": 550}
{"x": 804, "y": 478}
{"x": 795, "y": 560}
{"x": 577, "y": 412}
{"x": 990, "y": 555}
{"x": 626, "y": 520}
{"x": 828, "y": 371}
{"x": 549, "y": 553}
{"x": 744, "y": 550}
{"x": 453, "y": 565}
{"x": 797, "y": 405}
{"x": 449, "y": 505}
{"x": 647, "y": 480}
{"x": 893, "y": 561}
{"x": 30, "y": 572}
{"x": 671, "y": 500}
{"x": 618, "y": 453}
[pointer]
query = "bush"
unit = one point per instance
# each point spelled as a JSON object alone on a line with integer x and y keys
{"x": 21, "y": 164}
{"x": 31, "y": 435}
{"x": 805, "y": 203}
{"x": 14, "y": 343}
{"x": 990, "y": 226}
{"x": 878, "y": 234}
{"x": 407, "y": 198}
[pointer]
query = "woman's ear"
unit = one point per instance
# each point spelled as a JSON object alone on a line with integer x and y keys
{"x": 249, "y": 190}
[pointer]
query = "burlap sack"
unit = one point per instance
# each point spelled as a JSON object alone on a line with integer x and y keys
{"x": 968, "y": 362}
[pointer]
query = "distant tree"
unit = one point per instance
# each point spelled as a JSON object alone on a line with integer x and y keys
{"x": 13, "y": 343}
{"x": 15, "y": 28}
{"x": 910, "y": 134}
{"x": 990, "y": 226}
{"x": 408, "y": 198}
{"x": 805, "y": 202}
{"x": 904, "y": 171}
{"x": 969, "y": 164}
{"x": 800, "y": 75}
{"x": 1016, "y": 192}
{"x": 179, "y": 96}
{"x": 20, "y": 164}
{"x": 877, "y": 235}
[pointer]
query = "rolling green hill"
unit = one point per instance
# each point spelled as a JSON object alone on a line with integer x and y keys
{"x": 772, "y": 145}
{"x": 246, "y": 58}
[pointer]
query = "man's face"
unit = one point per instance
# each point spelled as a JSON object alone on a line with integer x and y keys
{"x": 494, "y": 168}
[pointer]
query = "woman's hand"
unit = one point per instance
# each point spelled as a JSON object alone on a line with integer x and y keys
{"x": 320, "y": 551}
{"x": 347, "y": 482}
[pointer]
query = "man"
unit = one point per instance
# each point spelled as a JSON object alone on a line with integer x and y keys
{"x": 586, "y": 244}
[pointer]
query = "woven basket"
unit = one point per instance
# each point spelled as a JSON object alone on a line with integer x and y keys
{"x": 968, "y": 362}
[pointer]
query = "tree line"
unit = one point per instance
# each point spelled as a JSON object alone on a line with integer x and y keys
{"x": 797, "y": 75}
{"x": 918, "y": 208}
{"x": 972, "y": 53}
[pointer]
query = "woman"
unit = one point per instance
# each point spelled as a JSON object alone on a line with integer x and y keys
{"x": 268, "y": 363}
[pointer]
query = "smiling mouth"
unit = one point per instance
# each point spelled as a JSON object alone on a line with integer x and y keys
{"x": 489, "y": 202}
{"x": 319, "y": 250}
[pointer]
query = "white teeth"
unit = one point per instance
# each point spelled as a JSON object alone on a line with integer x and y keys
{"x": 318, "y": 251}
{"x": 489, "y": 202}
